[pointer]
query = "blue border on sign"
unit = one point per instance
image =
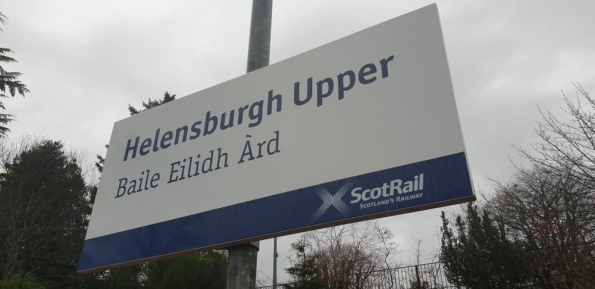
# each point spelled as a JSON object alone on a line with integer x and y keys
{"x": 423, "y": 183}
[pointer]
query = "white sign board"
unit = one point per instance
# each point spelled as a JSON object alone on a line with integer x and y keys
{"x": 360, "y": 128}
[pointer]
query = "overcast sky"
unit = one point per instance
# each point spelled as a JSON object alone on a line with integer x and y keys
{"x": 85, "y": 61}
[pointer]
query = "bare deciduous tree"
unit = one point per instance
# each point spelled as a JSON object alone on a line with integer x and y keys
{"x": 567, "y": 146}
{"x": 350, "y": 256}
{"x": 553, "y": 216}
{"x": 538, "y": 231}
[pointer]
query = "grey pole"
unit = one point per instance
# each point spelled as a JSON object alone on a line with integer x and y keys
{"x": 241, "y": 262}
{"x": 275, "y": 255}
{"x": 260, "y": 34}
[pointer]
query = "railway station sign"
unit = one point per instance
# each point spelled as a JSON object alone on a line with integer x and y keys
{"x": 361, "y": 128}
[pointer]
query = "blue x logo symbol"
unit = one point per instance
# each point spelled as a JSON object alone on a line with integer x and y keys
{"x": 329, "y": 200}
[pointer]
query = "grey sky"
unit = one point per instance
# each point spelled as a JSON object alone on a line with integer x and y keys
{"x": 85, "y": 61}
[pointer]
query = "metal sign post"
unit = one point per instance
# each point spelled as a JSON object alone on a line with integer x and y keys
{"x": 275, "y": 255}
{"x": 242, "y": 259}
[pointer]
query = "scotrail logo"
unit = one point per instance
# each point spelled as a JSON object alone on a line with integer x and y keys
{"x": 391, "y": 192}
{"x": 335, "y": 201}
{"x": 389, "y": 189}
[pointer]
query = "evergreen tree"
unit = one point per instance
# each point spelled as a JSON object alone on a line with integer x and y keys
{"x": 44, "y": 211}
{"x": 26, "y": 281}
{"x": 477, "y": 254}
{"x": 152, "y": 103}
{"x": 9, "y": 83}
{"x": 536, "y": 231}
{"x": 303, "y": 271}
{"x": 202, "y": 270}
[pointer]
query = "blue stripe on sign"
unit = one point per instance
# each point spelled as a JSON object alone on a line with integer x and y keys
{"x": 383, "y": 192}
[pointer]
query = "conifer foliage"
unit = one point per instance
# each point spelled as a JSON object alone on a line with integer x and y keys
{"x": 43, "y": 212}
{"x": 10, "y": 84}
{"x": 538, "y": 230}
